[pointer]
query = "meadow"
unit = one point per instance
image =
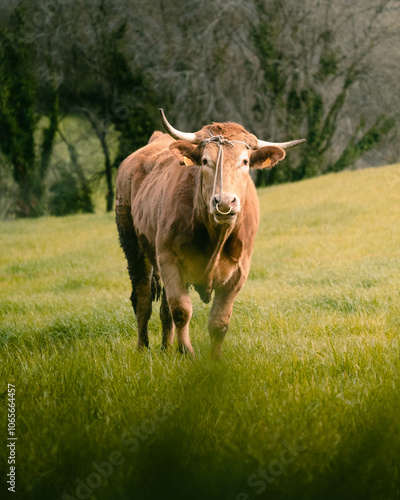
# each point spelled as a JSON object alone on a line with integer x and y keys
{"x": 304, "y": 404}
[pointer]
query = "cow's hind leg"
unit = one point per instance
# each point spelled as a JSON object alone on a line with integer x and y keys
{"x": 140, "y": 274}
{"x": 141, "y": 299}
{"x": 168, "y": 327}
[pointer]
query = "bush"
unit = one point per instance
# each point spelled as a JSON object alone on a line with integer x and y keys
{"x": 70, "y": 194}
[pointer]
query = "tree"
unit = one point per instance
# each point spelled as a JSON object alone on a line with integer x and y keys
{"x": 108, "y": 99}
{"x": 312, "y": 63}
{"x": 18, "y": 118}
{"x": 70, "y": 59}
{"x": 96, "y": 79}
{"x": 283, "y": 69}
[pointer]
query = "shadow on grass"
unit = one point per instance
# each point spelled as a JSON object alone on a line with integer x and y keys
{"x": 179, "y": 459}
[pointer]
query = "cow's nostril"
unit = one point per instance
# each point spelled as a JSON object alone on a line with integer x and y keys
{"x": 234, "y": 201}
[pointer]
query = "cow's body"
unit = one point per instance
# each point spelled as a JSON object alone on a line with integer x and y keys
{"x": 168, "y": 230}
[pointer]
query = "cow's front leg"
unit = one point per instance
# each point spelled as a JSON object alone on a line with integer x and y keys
{"x": 181, "y": 310}
{"x": 178, "y": 300}
{"x": 220, "y": 314}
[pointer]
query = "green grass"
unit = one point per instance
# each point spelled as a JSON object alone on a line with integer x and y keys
{"x": 311, "y": 360}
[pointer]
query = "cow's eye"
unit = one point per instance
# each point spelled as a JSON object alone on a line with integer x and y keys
{"x": 245, "y": 162}
{"x": 205, "y": 161}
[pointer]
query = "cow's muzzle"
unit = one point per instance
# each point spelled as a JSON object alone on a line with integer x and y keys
{"x": 225, "y": 208}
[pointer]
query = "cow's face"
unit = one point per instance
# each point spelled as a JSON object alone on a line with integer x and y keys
{"x": 225, "y": 172}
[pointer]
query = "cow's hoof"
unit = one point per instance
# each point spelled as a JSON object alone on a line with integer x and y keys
{"x": 216, "y": 351}
{"x": 188, "y": 351}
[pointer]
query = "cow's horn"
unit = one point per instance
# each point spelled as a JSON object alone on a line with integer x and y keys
{"x": 283, "y": 145}
{"x": 176, "y": 134}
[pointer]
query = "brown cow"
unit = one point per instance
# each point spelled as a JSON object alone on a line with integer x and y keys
{"x": 187, "y": 212}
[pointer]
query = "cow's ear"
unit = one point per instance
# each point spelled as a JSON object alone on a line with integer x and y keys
{"x": 266, "y": 157}
{"x": 186, "y": 152}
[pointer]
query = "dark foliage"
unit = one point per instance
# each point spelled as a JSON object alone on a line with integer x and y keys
{"x": 17, "y": 116}
{"x": 70, "y": 194}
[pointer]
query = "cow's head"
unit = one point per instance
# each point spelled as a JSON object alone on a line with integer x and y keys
{"x": 225, "y": 152}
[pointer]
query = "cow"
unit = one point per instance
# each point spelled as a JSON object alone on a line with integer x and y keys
{"x": 187, "y": 213}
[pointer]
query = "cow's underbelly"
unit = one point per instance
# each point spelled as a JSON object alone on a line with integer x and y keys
{"x": 193, "y": 271}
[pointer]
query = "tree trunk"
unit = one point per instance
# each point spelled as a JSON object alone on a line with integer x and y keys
{"x": 109, "y": 180}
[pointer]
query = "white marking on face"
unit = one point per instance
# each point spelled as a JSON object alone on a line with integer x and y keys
{"x": 244, "y": 161}
{"x": 207, "y": 162}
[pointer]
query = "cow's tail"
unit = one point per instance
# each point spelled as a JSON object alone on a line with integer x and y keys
{"x": 134, "y": 255}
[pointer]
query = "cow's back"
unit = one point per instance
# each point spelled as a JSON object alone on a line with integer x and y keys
{"x": 134, "y": 169}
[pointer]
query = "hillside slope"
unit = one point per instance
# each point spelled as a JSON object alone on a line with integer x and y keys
{"x": 303, "y": 406}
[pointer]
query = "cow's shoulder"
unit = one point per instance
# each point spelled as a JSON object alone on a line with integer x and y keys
{"x": 177, "y": 206}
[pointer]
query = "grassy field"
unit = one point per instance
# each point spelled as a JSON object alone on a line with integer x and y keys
{"x": 304, "y": 404}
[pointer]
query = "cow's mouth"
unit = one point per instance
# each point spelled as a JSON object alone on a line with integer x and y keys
{"x": 225, "y": 219}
